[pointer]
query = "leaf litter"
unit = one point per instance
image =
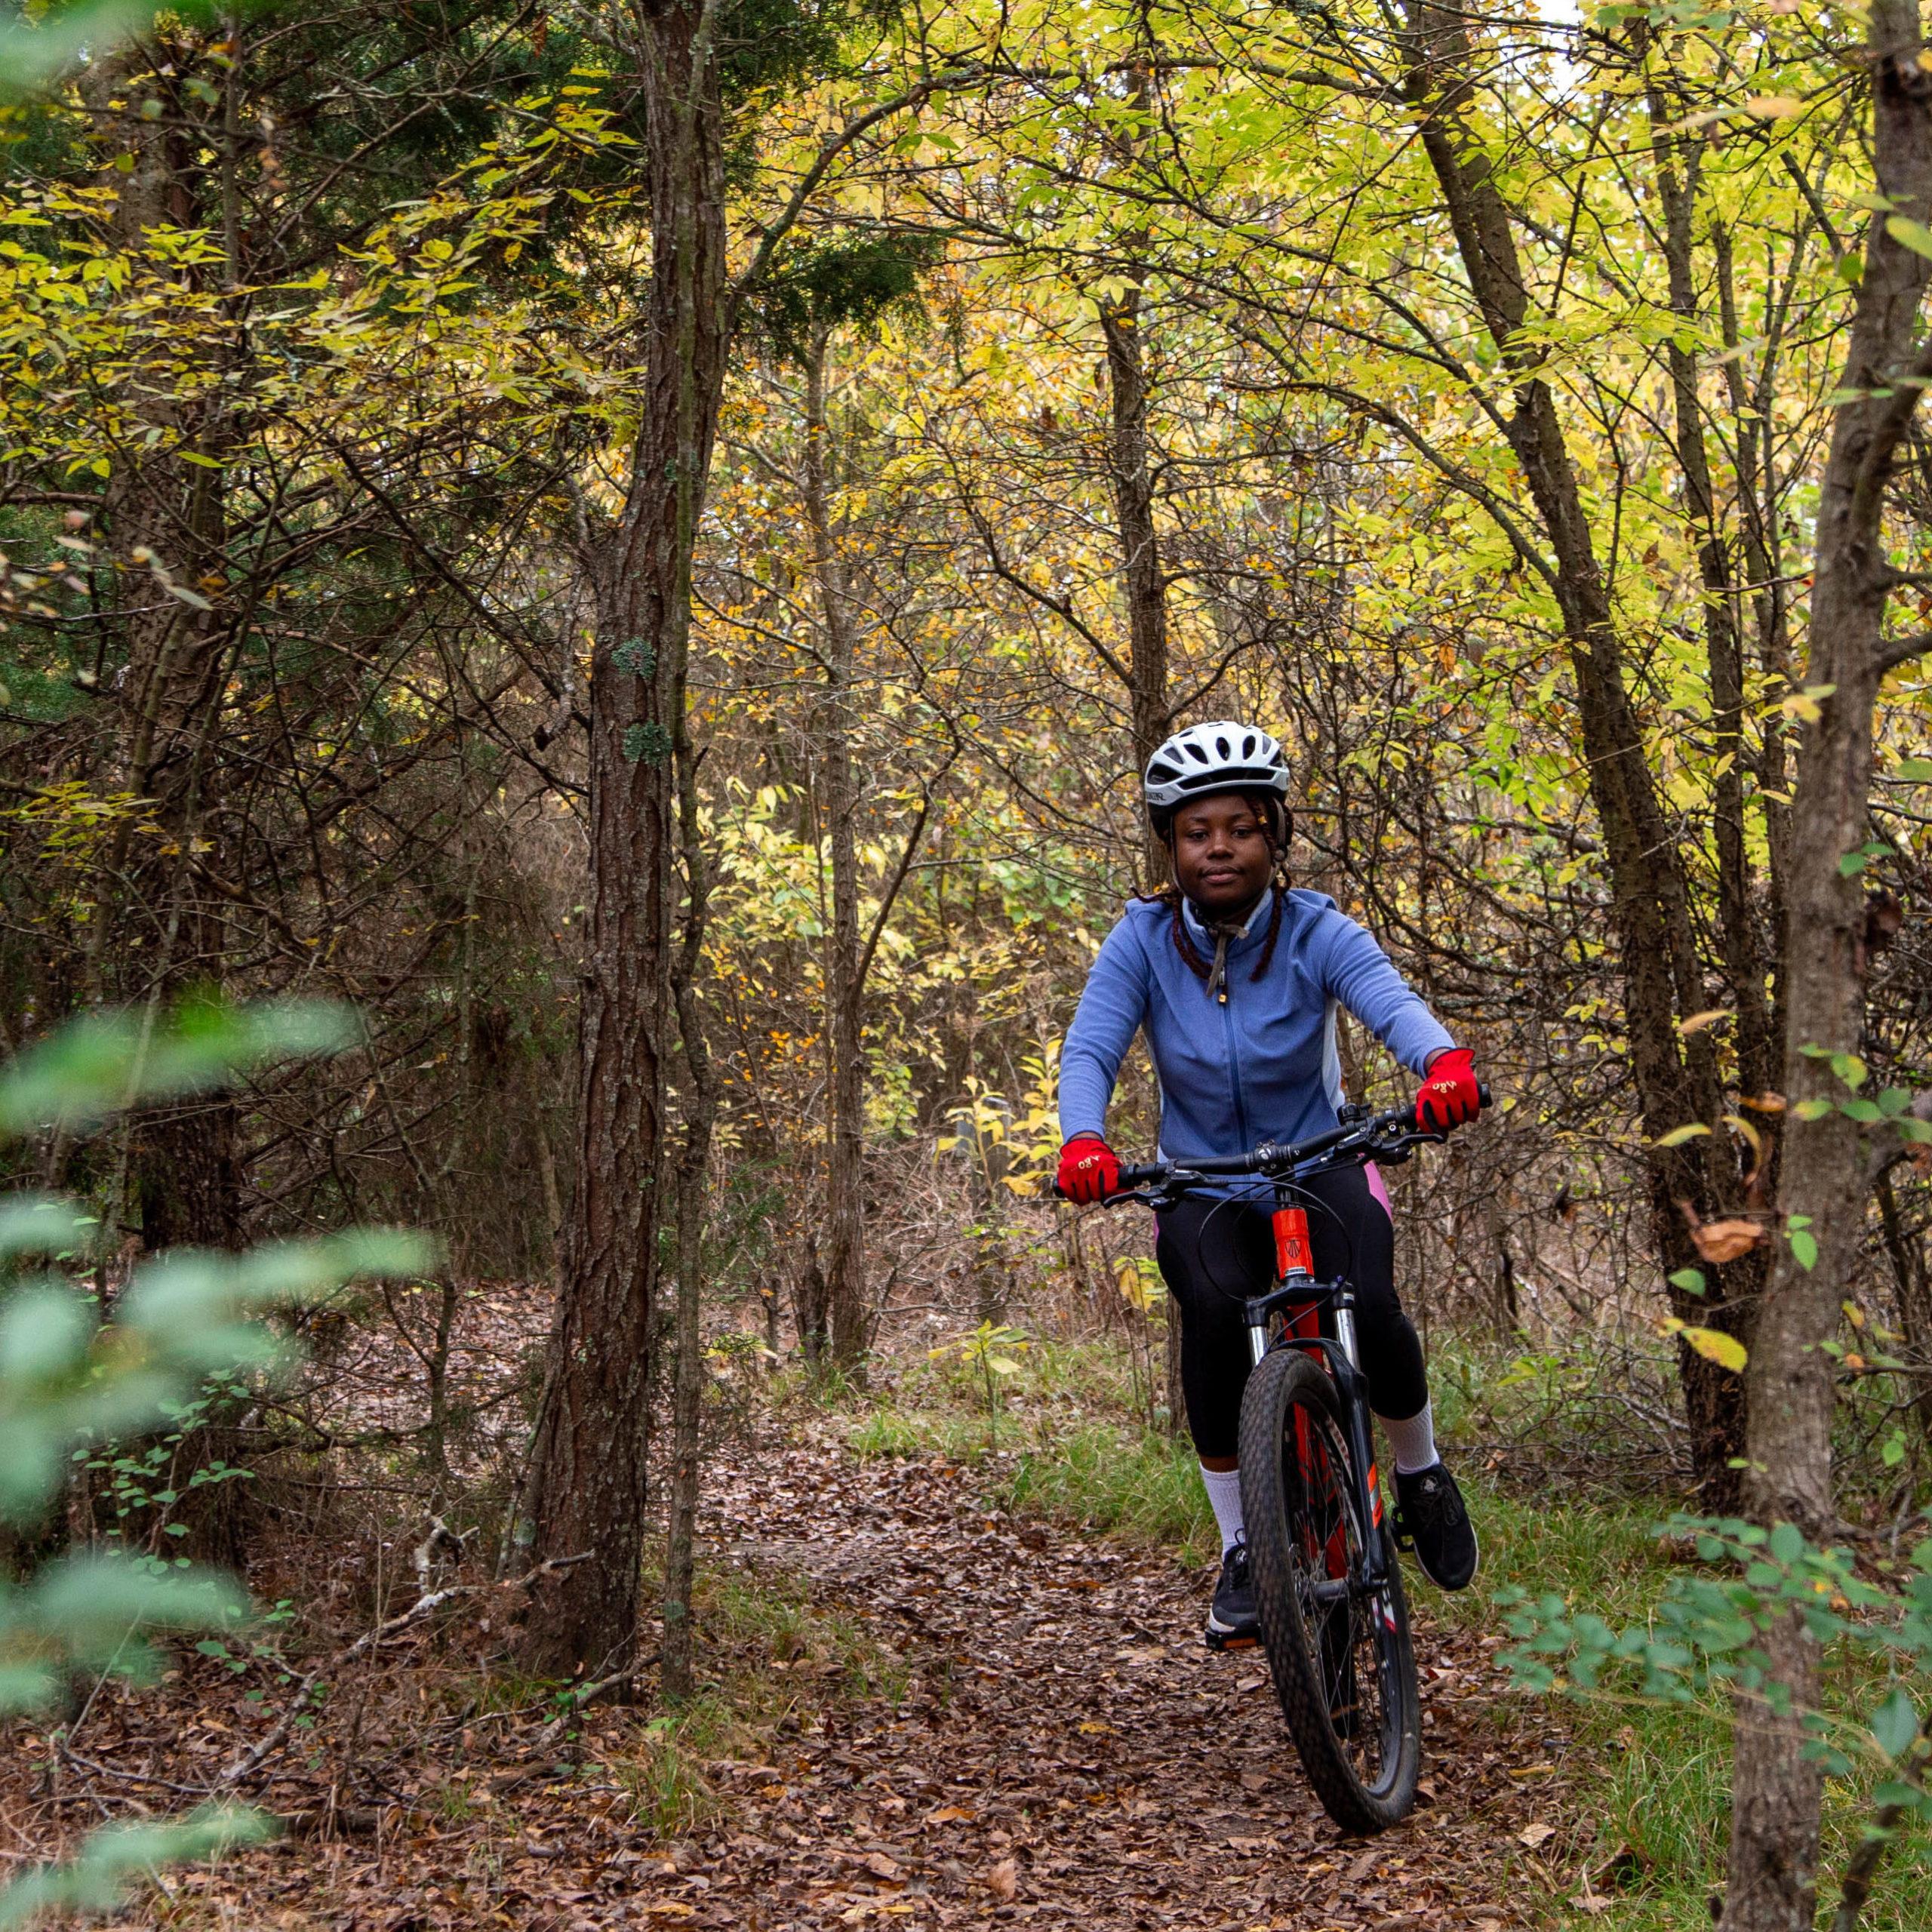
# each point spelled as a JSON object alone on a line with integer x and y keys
{"x": 1016, "y": 1728}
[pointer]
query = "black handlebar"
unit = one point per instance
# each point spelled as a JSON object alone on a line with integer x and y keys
{"x": 1271, "y": 1159}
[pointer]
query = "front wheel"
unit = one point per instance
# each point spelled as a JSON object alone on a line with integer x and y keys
{"x": 1338, "y": 1648}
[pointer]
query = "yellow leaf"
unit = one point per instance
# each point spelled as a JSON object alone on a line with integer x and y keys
{"x": 1677, "y": 1136}
{"x": 1699, "y": 1021}
{"x": 1774, "y": 106}
{"x": 1714, "y": 1345}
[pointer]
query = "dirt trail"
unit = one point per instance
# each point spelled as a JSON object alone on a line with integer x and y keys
{"x": 1067, "y": 1751}
{"x": 1055, "y": 1747}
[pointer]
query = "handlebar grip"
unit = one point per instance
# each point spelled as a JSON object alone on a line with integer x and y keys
{"x": 1482, "y": 1093}
{"x": 1144, "y": 1175}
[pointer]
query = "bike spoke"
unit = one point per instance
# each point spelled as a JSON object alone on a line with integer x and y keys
{"x": 1346, "y": 1623}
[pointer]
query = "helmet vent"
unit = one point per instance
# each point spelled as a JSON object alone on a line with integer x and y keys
{"x": 1225, "y": 756}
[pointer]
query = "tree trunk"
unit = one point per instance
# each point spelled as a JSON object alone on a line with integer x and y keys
{"x": 1776, "y": 1794}
{"x": 1677, "y": 1077}
{"x": 845, "y": 991}
{"x": 700, "y": 1112}
{"x": 157, "y": 936}
{"x": 589, "y": 1479}
{"x": 1143, "y": 583}
{"x": 1142, "y": 580}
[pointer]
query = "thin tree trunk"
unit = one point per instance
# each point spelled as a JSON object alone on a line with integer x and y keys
{"x": 839, "y": 794}
{"x": 589, "y": 1473}
{"x": 1142, "y": 579}
{"x": 1776, "y": 1794}
{"x": 1677, "y": 1078}
{"x": 1143, "y": 583}
{"x": 699, "y": 1099}
{"x": 1914, "y": 1295}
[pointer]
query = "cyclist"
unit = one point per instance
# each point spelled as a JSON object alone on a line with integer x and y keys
{"x": 1234, "y": 976}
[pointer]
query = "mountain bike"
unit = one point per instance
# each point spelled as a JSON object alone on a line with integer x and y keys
{"x": 1328, "y": 1585}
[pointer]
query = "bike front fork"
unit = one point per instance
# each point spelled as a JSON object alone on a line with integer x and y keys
{"x": 1340, "y": 1355}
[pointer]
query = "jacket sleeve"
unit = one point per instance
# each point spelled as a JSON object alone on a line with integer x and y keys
{"x": 1109, "y": 1014}
{"x": 1357, "y": 972}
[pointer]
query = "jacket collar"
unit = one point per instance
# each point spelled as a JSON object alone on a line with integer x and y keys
{"x": 1198, "y": 926}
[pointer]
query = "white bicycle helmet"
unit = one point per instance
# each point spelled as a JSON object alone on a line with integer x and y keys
{"x": 1221, "y": 757}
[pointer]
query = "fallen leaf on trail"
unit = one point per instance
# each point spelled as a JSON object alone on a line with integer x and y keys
{"x": 949, "y": 1814}
{"x": 1534, "y": 1835}
{"x": 1251, "y": 1683}
{"x": 1532, "y": 1771}
{"x": 881, "y": 1866}
{"x": 658, "y": 1907}
{"x": 1003, "y": 1881}
{"x": 1719, "y": 1242}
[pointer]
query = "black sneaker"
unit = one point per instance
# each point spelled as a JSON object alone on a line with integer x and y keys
{"x": 1232, "y": 1624}
{"x": 1431, "y": 1520}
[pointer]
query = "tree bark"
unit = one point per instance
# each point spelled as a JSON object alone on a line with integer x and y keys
{"x": 1142, "y": 580}
{"x": 1776, "y": 1795}
{"x": 1677, "y": 1077}
{"x": 165, "y": 515}
{"x": 589, "y": 1455}
{"x": 1143, "y": 583}
{"x": 700, "y": 1101}
{"x": 845, "y": 990}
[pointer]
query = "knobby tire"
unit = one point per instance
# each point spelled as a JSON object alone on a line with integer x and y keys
{"x": 1344, "y": 1669}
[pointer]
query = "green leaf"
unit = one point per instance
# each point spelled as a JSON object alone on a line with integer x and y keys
{"x": 1850, "y": 1069}
{"x": 39, "y": 1224}
{"x": 1804, "y": 1251}
{"x": 32, "y": 56}
{"x": 98, "y": 1065}
{"x": 1691, "y": 1280}
{"x": 1813, "y": 1110}
{"x": 1910, "y": 234}
{"x": 1917, "y": 770}
{"x": 1895, "y": 1724}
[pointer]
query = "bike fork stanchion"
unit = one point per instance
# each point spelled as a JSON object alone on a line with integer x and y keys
{"x": 1257, "y": 1330}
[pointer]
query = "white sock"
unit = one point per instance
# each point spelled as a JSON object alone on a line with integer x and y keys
{"x": 1414, "y": 1441}
{"x": 1224, "y": 1499}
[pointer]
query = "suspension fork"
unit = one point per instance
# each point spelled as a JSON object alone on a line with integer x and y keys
{"x": 1294, "y": 1268}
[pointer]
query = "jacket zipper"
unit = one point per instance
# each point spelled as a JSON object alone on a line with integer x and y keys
{"x": 1234, "y": 1070}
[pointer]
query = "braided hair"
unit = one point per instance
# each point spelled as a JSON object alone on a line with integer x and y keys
{"x": 1171, "y": 896}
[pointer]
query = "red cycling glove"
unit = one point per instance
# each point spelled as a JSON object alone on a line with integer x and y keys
{"x": 1449, "y": 1097}
{"x": 1088, "y": 1170}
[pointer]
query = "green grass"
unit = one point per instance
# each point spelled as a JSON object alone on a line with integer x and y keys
{"x": 1134, "y": 1482}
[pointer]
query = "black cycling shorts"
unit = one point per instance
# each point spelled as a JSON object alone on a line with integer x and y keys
{"x": 1213, "y": 1254}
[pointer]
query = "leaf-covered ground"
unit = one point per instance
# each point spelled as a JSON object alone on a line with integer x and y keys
{"x": 954, "y": 1718}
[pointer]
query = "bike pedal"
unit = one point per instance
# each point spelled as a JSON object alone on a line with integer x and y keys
{"x": 1217, "y": 1640}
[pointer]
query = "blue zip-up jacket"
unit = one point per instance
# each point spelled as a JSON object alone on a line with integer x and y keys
{"x": 1264, "y": 1065}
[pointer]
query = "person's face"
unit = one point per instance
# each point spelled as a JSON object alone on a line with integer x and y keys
{"x": 1221, "y": 855}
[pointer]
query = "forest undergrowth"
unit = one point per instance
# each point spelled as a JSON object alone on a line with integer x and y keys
{"x": 887, "y": 1572}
